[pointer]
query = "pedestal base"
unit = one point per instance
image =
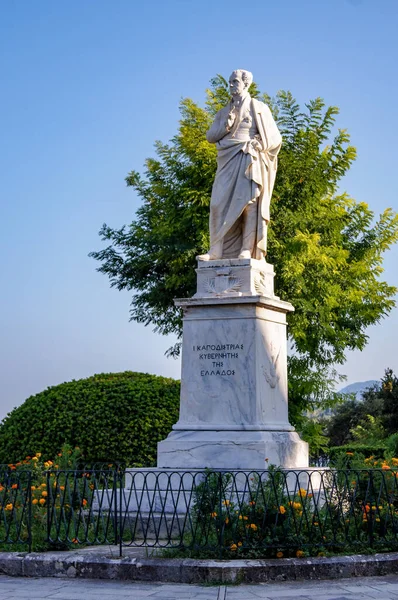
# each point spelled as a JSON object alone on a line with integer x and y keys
{"x": 233, "y": 408}
{"x": 232, "y": 450}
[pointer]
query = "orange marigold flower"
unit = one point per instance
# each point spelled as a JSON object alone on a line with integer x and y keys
{"x": 213, "y": 514}
{"x": 42, "y": 501}
{"x": 282, "y": 510}
{"x": 1, "y": 488}
{"x": 252, "y": 503}
{"x": 279, "y": 555}
{"x": 385, "y": 467}
{"x": 44, "y": 494}
{"x": 253, "y": 526}
{"x": 75, "y": 541}
{"x": 302, "y": 493}
{"x": 35, "y": 501}
{"x": 14, "y": 486}
{"x": 226, "y": 502}
{"x": 9, "y": 506}
{"x": 233, "y": 547}
{"x": 84, "y": 502}
{"x": 349, "y": 453}
{"x": 299, "y": 553}
{"x": 239, "y": 544}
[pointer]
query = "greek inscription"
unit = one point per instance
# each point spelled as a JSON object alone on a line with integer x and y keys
{"x": 212, "y": 372}
{"x": 217, "y": 347}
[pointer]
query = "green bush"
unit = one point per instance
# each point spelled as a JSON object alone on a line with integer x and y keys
{"x": 376, "y": 450}
{"x": 392, "y": 444}
{"x": 112, "y": 416}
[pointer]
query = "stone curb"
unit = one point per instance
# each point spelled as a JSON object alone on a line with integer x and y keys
{"x": 98, "y": 566}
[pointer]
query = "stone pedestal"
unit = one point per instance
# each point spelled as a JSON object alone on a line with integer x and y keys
{"x": 233, "y": 410}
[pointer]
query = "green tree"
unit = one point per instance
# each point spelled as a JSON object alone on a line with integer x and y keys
{"x": 326, "y": 247}
{"x": 358, "y": 421}
{"x": 387, "y": 396}
{"x": 369, "y": 431}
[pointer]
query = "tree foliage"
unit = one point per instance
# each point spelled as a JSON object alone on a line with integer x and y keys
{"x": 326, "y": 247}
{"x": 370, "y": 420}
{"x": 111, "y": 416}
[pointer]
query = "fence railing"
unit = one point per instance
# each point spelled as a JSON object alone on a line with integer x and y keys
{"x": 15, "y": 507}
{"x": 197, "y": 513}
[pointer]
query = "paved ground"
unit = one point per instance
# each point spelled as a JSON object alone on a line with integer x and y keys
{"x": 380, "y": 588}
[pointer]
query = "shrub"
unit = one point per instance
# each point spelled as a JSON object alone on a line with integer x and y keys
{"x": 59, "y": 500}
{"x": 392, "y": 444}
{"x": 366, "y": 450}
{"x": 113, "y": 416}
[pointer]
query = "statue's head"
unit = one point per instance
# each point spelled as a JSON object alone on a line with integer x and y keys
{"x": 240, "y": 81}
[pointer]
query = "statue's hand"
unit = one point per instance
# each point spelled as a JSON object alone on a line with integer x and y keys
{"x": 231, "y": 119}
{"x": 257, "y": 144}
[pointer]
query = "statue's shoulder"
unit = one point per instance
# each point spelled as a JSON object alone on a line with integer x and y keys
{"x": 260, "y": 106}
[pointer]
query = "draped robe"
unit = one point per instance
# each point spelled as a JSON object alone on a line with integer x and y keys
{"x": 244, "y": 175}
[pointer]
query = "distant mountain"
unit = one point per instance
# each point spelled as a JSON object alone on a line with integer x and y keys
{"x": 359, "y": 387}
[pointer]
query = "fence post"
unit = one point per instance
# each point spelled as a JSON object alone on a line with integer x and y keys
{"x": 29, "y": 500}
{"x": 120, "y": 477}
{"x": 48, "y": 506}
{"x": 221, "y": 524}
{"x": 115, "y": 507}
{"x": 372, "y": 516}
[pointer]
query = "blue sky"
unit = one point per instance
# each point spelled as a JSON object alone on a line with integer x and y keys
{"x": 87, "y": 87}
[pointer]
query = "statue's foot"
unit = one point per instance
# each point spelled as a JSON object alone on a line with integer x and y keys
{"x": 215, "y": 253}
{"x": 245, "y": 254}
{"x": 207, "y": 256}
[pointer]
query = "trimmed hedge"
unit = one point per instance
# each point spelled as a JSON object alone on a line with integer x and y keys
{"x": 376, "y": 450}
{"x": 111, "y": 416}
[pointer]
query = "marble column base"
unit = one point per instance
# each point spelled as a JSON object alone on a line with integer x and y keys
{"x": 232, "y": 450}
{"x": 234, "y": 391}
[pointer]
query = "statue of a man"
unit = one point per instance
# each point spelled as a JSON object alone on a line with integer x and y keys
{"x": 248, "y": 142}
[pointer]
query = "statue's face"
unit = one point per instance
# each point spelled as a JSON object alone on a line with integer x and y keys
{"x": 236, "y": 84}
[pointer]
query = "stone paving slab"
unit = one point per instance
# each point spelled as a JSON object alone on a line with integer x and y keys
{"x": 366, "y": 588}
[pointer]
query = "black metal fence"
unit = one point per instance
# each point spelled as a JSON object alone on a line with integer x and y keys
{"x": 15, "y": 507}
{"x": 197, "y": 513}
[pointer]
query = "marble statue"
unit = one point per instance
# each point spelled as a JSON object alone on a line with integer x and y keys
{"x": 248, "y": 142}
